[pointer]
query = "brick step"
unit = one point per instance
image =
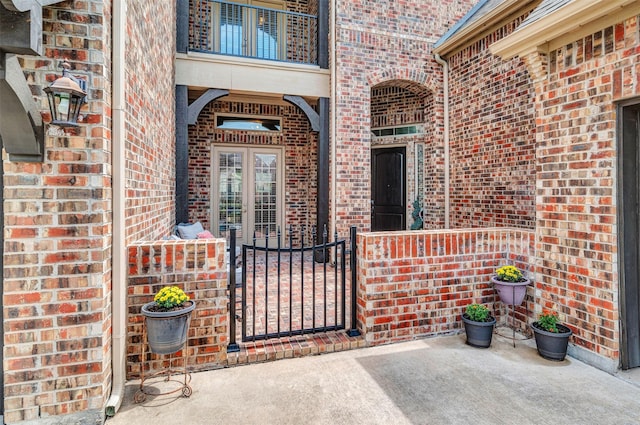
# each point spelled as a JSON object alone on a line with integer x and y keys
{"x": 295, "y": 346}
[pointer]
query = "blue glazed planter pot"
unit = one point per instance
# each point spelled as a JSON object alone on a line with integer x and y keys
{"x": 479, "y": 334}
{"x": 167, "y": 330}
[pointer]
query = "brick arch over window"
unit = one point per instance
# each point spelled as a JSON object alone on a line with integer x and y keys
{"x": 410, "y": 78}
{"x": 398, "y": 102}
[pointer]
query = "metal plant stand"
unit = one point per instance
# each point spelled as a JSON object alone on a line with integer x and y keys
{"x": 141, "y": 395}
{"x": 513, "y": 318}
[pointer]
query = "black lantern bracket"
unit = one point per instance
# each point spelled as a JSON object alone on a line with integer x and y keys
{"x": 66, "y": 96}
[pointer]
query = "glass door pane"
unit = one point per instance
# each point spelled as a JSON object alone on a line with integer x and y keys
{"x": 265, "y": 208}
{"x": 230, "y": 26}
{"x": 230, "y": 191}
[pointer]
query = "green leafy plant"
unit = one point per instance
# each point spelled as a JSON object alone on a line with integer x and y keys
{"x": 548, "y": 321}
{"x": 477, "y": 313}
{"x": 170, "y": 297}
{"x": 509, "y": 274}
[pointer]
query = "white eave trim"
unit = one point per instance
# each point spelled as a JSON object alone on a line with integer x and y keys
{"x": 497, "y": 15}
{"x": 569, "y": 18}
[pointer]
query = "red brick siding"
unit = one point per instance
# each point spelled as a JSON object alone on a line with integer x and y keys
{"x": 393, "y": 106}
{"x": 300, "y": 155}
{"x": 401, "y": 50}
{"x": 150, "y": 130}
{"x": 576, "y": 211}
{"x": 196, "y": 266}
{"x": 417, "y": 284}
{"x": 492, "y": 130}
{"x": 57, "y": 224}
{"x": 433, "y": 194}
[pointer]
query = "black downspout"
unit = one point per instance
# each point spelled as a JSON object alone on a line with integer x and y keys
{"x": 182, "y": 155}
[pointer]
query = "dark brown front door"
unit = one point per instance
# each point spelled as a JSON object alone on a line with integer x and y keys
{"x": 388, "y": 198}
{"x": 629, "y": 200}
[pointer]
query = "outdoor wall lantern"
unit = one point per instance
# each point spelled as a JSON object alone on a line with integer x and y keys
{"x": 66, "y": 97}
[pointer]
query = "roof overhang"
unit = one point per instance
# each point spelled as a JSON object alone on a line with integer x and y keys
{"x": 574, "y": 20}
{"x": 467, "y": 35}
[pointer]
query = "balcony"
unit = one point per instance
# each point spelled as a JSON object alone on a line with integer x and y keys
{"x": 247, "y": 31}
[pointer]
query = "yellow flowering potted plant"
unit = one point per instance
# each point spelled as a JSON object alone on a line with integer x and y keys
{"x": 478, "y": 325}
{"x": 167, "y": 320}
{"x": 552, "y": 338}
{"x": 510, "y": 284}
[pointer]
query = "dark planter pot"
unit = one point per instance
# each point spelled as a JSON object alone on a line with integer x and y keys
{"x": 511, "y": 293}
{"x": 552, "y": 345}
{"x": 167, "y": 330}
{"x": 479, "y": 334}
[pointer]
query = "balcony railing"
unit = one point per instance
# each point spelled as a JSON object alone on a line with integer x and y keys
{"x": 234, "y": 29}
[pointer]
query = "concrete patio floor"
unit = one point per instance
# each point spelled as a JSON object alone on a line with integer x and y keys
{"x": 431, "y": 381}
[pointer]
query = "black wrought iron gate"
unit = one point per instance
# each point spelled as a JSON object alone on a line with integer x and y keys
{"x": 287, "y": 290}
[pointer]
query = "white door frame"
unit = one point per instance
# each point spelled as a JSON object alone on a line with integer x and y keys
{"x": 248, "y": 189}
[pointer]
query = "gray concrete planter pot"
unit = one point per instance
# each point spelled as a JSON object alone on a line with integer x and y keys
{"x": 511, "y": 293}
{"x": 552, "y": 345}
{"x": 479, "y": 334}
{"x": 167, "y": 330}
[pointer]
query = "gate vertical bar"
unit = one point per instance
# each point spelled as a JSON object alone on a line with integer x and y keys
{"x": 279, "y": 263}
{"x": 244, "y": 293}
{"x": 302, "y": 279}
{"x": 335, "y": 281}
{"x": 233, "y": 346}
{"x": 266, "y": 285}
{"x": 253, "y": 315}
{"x": 343, "y": 267}
{"x": 324, "y": 271}
{"x": 313, "y": 277}
{"x": 290, "y": 279}
{"x": 354, "y": 285}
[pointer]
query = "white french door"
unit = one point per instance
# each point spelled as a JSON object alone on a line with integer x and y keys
{"x": 247, "y": 192}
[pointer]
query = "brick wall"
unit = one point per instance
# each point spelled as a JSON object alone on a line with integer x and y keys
{"x": 57, "y": 274}
{"x": 196, "y": 266}
{"x": 150, "y": 130}
{"x": 417, "y": 284}
{"x": 57, "y": 227}
{"x": 411, "y": 285}
{"x": 394, "y": 106}
{"x": 400, "y": 51}
{"x": 493, "y": 135}
{"x": 576, "y": 159}
{"x": 300, "y": 158}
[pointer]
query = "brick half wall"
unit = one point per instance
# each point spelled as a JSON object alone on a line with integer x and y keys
{"x": 196, "y": 266}
{"x": 416, "y": 284}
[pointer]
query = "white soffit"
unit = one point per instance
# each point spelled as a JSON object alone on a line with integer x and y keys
{"x": 239, "y": 75}
{"x": 571, "y": 21}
